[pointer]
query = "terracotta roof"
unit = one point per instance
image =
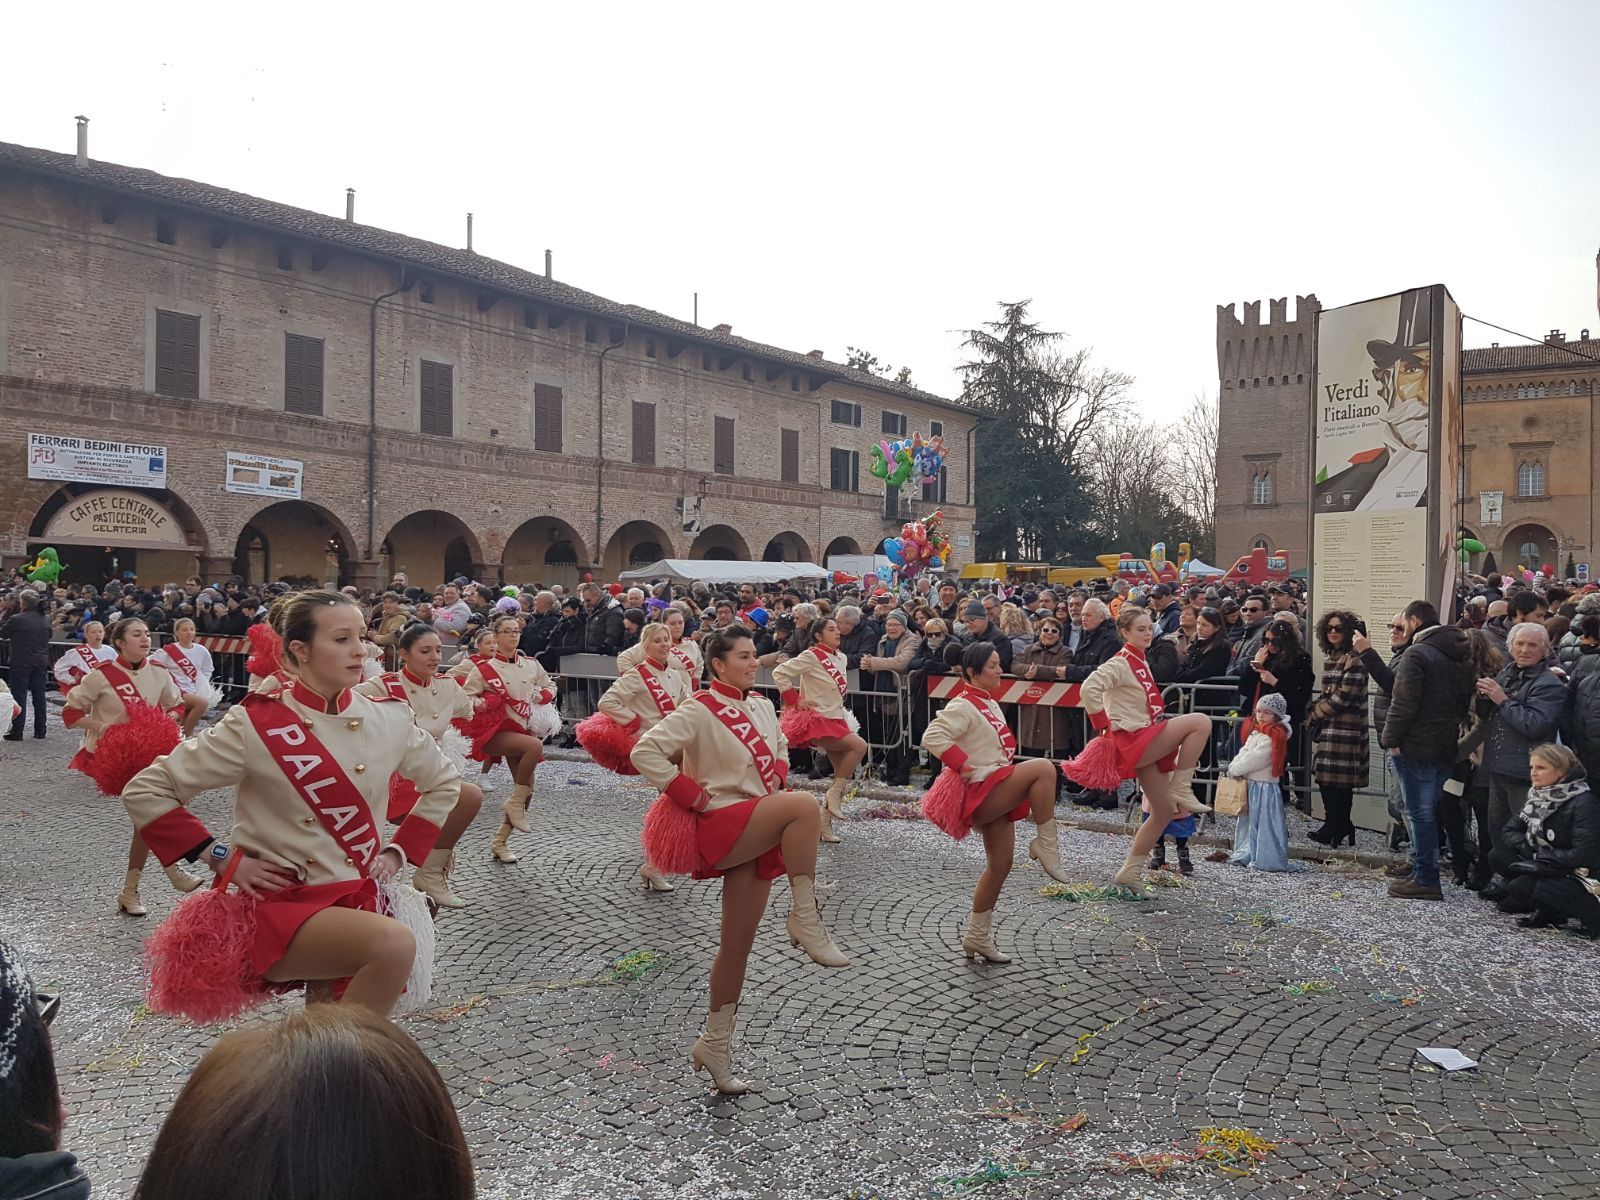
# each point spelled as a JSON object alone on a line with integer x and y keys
{"x": 428, "y": 256}
{"x": 1563, "y": 355}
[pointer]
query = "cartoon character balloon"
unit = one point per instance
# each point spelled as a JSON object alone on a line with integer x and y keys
{"x": 908, "y": 460}
{"x": 46, "y": 568}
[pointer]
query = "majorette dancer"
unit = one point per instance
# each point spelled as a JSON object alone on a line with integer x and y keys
{"x": 482, "y": 648}
{"x": 721, "y": 762}
{"x": 1138, "y": 740}
{"x": 814, "y": 686}
{"x": 684, "y": 658}
{"x": 508, "y": 692}
{"x": 311, "y": 763}
{"x": 982, "y": 786}
{"x": 189, "y": 664}
{"x": 435, "y": 700}
{"x": 643, "y": 695}
{"x": 77, "y": 662}
{"x": 138, "y": 700}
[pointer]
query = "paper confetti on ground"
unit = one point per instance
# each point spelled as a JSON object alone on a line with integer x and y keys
{"x": 1256, "y": 918}
{"x": 1085, "y": 1040}
{"x": 1400, "y": 999}
{"x": 889, "y": 811}
{"x": 1235, "y": 1152}
{"x": 987, "y": 1174}
{"x": 1020, "y": 1112}
{"x": 1308, "y": 987}
{"x": 1089, "y": 893}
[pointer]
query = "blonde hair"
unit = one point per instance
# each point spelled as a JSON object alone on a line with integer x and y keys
{"x": 293, "y": 616}
{"x": 182, "y": 621}
{"x": 655, "y": 632}
{"x": 1560, "y": 757}
{"x": 1127, "y": 615}
{"x": 1012, "y": 622}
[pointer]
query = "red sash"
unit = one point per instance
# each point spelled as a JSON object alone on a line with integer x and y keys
{"x": 1141, "y": 672}
{"x": 1008, "y": 740}
{"x": 179, "y": 659}
{"x": 682, "y": 656}
{"x": 737, "y": 722}
{"x": 90, "y": 662}
{"x": 122, "y": 684}
{"x": 658, "y": 691}
{"x": 396, "y": 689}
{"x": 825, "y": 657}
{"x": 316, "y": 777}
{"x": 492, "y": 681}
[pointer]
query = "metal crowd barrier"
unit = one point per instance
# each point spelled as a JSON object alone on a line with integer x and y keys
{"x": 228, "y": 658}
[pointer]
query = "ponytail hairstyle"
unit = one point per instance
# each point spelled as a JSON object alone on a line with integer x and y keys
{"x": 412, "y": 634}
{"x": 974, "y": 658}
{"x": 293, "y": 616}
{"x": 723, "y": 642}
{"x": 120, "y": 629}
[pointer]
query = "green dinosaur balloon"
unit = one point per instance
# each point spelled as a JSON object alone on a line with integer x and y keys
{"x": 46, "y": 568}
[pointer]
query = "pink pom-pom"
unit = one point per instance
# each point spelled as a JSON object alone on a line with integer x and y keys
{"x": 480, "y": 728}
{"x": 266, "y": 650}
{"x": 608, "y": 742}
{"x": 1098, "y": 768}
{"x": 671, "y": 838}
{"x": 944, "y": 802}
{"x": 126, "y": 749}
{"x": 199, "y": 959}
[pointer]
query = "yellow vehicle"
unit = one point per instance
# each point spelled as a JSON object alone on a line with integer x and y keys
{"x": 1001, "y": 572}
{"x": 1078, "y": 576}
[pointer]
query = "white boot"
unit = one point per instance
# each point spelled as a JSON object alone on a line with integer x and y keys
{"x": 1182, "y": 794}
{"x": 713, "y": 1051}
{"x": 978, "y": 940}
{"x": 654, "y": 880}
{"x": 432, "y": 879}
{"x": 833, "y": 806}
{"x": 517, "y": 808}
{"x": 181, "y": 880}
{"x": 128, "y": 897}
{"x": 501, "y": 846}
{"x": 1046, "y": 851}
{"x": 1132, "y": 873}
{"x": 805, "y": 925}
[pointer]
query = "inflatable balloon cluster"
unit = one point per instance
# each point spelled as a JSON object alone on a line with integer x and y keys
{"x": 921, "y": 544}
{"x": 909, "y": 460}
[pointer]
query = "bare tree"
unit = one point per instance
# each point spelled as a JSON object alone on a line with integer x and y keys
{"x": 1193, "y": 451}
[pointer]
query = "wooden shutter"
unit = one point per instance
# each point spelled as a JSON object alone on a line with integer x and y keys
{"x": 789, "y": 456}
{"x": 302, "y": 375}
{"x": 438, "y": 399}
{"x": 547, "y": 417}
{"x": 177, "y": 354}
{"x": 644, "y": 434}
{"x": 724, "y": 447}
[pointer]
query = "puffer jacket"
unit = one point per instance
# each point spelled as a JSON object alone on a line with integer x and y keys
{"x": 1569, "y": 836}
{"x": 1433, "y": 687}
{"x": 1568, "y": 649}
{"x": 1536, "y": 702}
{"x": 51, "y": 1175}
{"x": 1097, "y": 645}
{"x": 1581, "y": 725}
{"x": 1382, "y": 675}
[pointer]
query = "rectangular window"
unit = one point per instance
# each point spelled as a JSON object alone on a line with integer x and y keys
{"x": 644, "y": 434}
{"x": 302, "y": 375}
{"x": 438, "y": 399}
{"x": 1261, "y": 487}
{"x": 935, "y": 429}
{"x": 177, "y": 354}
{"x": 894, "y": 424}
{"x": 844, "y": 470}
{"x": 891, "y": 503}
{"x": 845, "y": 413}
{"x": 789, "y": 455}
{"x": 547, "y": 418}
{"x": 935, "y": 490}
{"x": 722, "y": 463}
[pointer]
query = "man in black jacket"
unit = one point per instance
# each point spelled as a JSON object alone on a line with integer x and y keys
{"x": 1098, "y": 644}
{"x": 858, "y": 634}
{"x": 541, "y": 623}
{"x": 28, "y": 631}
{"x": 603, "y": 632}
{"x": 1382, "y": 674}
{"x": 1432, "y": 691}
{"x": 981, "y": 629}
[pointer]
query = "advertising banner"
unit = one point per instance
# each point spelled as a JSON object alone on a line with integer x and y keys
{"x": 95, "y": 460}
{"x": 257, "y": 475}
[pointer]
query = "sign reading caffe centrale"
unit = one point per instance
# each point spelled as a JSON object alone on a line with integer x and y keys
{"x": 114, "y": 517}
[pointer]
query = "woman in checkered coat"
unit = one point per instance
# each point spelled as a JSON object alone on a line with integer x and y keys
{"x": 1340, "y": 761}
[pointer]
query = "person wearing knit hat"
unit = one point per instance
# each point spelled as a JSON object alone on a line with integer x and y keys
{"x": 1261, "y": 838}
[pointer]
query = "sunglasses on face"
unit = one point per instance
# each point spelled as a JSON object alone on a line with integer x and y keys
{"x": 1335, "y": 628}
{"x": 1049, "y": 629}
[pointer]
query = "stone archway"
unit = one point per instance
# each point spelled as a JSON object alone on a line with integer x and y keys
{"x": 293, "y": 541}
{"x": 787, "y": 547}
{"x": 840, "y": 545}
{"x": 636, "y": 544}
{"x": 431, "y": 546}
{"x": 1521, "y": 542}
{"x": 722, "y": 542}
{"x": 544, "y": 550}
{"x": 104, "y": 533}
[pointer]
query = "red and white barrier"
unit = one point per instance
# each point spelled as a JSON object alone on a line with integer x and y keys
{"x": 1014, "y": 691}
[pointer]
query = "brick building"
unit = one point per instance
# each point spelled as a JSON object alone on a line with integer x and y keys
{"x": 1530, "y": 448}
{"x": 450, "y": 413}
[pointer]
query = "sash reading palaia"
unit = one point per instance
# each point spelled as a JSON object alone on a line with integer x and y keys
{"x": 179, "y": 659}
{"x": 316, "y": 777}
{"x": 683, "y": 657}
{"x": 90, "y": 662}
{"x": 492, "y": 680}
{"x": 737, "y": 722}
{"x": 1008, "y": 740}
{"x": 658, "y": 691}
{"x": 122, "y": 684}
{"x": 1141, "y": 671}
{"x": 825, "y": 657}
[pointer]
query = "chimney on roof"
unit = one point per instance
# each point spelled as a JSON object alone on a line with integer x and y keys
{"x": 547, "y": 264}
{"x": 1584, "y": 335}
{"x": 813, "y": 353}
{"x": 350, "y": 204}
{"x": 83, "y": 141}
{"x": 469, "y": 233}
{"x": 723, "y": 328}
{"x": 1555, "y": 337}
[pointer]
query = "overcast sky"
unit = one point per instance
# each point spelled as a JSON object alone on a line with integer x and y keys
{"x": 881, "y": 174}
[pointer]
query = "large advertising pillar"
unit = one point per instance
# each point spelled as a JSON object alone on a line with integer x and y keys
{"x": 1386, "y": 454}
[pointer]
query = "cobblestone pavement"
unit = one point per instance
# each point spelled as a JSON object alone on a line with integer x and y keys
{"x": 1154, "y": 1019}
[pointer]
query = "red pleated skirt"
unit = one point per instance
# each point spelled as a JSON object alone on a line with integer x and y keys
{"x": 802, "y": 726}
{"x": 951, "y": 801}
{"x": 1114, "y": 756}
{"x": 482, "y": 738}
{"x": 681, "y": 842}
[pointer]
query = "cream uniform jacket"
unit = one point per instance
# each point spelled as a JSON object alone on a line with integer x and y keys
{"x": 959, "y": 737}
{"x": 77, "y": 662}
{"x": 434, "y": 704}
{"x": 524, "y": 678}
{"x": 369, "y": 739}
{"x": 685, "y": 658}
{"x": 628, "y": 700}
{"x": 1113, "y": 698}
{"x": 804, "y": 673}
{"x": 692, "y": 750}
{"x": 199, "y": 658}
{"x": 96, "y": 700}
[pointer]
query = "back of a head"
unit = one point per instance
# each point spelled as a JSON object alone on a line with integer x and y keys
{"x": 30, "y": 1098}
{"x": 332, "y": 1103}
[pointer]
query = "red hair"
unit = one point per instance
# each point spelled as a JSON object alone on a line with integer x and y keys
{"x": 1280, "y": 743}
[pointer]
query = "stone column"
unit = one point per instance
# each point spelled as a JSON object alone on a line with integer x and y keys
{"x": 488, "y": 572}
{"x": 367, "y": 574}
{"x": 214, "y": 568}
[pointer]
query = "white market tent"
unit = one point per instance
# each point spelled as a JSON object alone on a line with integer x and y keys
{"x": 719, "y": 570}
{"x": 1195, "y": 567}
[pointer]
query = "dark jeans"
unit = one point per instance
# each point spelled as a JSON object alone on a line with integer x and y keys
{"x": 1507, "y": 795}
{"x": 28, "y": 684}
{"x": 1422, "y": 783}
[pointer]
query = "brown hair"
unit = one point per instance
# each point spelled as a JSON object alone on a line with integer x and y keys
{"x": 494, "y": 625}
{"x": 1127, "y": 615}
{"x": 1554, "y": 755}
{"x": 294, "y": 616}
{"x": 331, "y": 1102}
{"x": 119, "y": 629}
{"x": 721, "y": 643}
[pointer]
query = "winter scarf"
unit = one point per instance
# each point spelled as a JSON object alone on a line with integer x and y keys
{"x": 1544, "y": 802}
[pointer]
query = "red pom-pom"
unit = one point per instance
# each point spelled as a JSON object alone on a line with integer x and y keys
{"x": 944, "y": 804}
{"x": 802, "y": 726}
{"x": 126, "y": 749}
{"x": 608, "y": 742}
{"x": 266, "y": 650}
{"x": 480, "y": 728}
{"x": 1098, "y": 768}
{"x": 671, "y": 838}
{"x": 199, "y": 958}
